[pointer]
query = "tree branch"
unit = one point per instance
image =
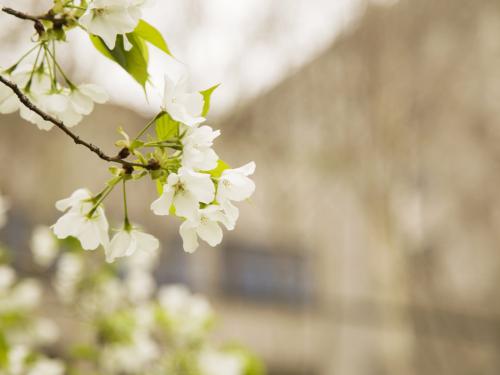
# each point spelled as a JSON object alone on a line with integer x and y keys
{"x": 47, "y": 117}
{"x": 38, "y": 24}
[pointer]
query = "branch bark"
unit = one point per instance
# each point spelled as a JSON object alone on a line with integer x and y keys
{"x": 47, "y": 117}
{"x": 38, "y": 24}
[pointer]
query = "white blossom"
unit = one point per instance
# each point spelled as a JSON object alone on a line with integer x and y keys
{"x": 197, "y": 152}
{"x": 70, "y": 105}
{"x": 35, "y": 86}
{"x": 69, "y": 272}
{"x": 140, "y": 285}
{"x": 47, "y": 366}
{"x": 234, "y": 185}
{"x": 17, "y": 357}
{"x": 132, "y": 358}
{"x": 183, "y": 106}
{"x": 109, "y": 18}
{"x": 44, "y": 246}
{"x": 212, "y": 362}
{"x": 184, "y": 190}
{"x": 189, "y": 314}
{"x": 45, "y": 331}
{"x": 204, "y": 225}
{"x": 82, "y": 98}
{"x": 25, "y": 295}
{"x": 7, "y": 277}
{"x": 127, "y": 241}
{"x": 90, "y": 231}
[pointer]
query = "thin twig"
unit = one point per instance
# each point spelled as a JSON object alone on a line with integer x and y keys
{"x": 47, "y": 117}
{"x": 38, "y": 24}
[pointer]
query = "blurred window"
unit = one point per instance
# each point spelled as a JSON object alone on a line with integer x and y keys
{"x": 265, "y": 275}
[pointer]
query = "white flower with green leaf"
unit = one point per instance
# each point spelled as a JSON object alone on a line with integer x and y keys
{"x": 184, "y": 190}
{"x": 181, "y": 104}
{"x": 110, "y": 18}
{"x": 235, "y": 185}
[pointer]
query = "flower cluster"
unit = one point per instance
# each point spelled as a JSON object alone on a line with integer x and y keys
{"x": 22, "y": 327}
{"x": 194, "y": 183}
{"x": 68, "y": 103}
{"x": 131, "y": 326}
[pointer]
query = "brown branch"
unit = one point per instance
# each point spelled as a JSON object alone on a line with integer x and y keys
{"x": 47, "y": 117}
{"x": 38, "y": 24}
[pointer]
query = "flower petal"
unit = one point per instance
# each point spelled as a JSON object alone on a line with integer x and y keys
{"x": 162, "y": 205}
{"x": 187, "y": 231}
{"x": 210, "y": 232}
{"x": 145, "y": 242}
{"x": 186, "y": 205}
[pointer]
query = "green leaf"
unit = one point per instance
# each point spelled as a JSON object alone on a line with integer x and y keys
{"x": 150, "y": 34}
{"x": 207, "y": 95}
{"x": 166, "y": 127}
{"x": 217, "y": 171}
{"x": 135, "y": 61}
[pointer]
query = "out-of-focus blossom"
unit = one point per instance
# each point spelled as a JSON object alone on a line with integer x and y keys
{"x": 131, "y": 358}
{"x": 213, "y": 362}
{"x": 46, "y": 366}
{"x": 44, "y": 246}
{"x": 70, "y": 269}
{"x": 140, "y": 285}
{"x": 25, "y": 295}
{"x": 45, "y": 331}
{"x": 189, "y": 315}
{"x": 7, "y": 277}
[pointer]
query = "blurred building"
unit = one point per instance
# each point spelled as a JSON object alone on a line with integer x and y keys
{"x": 371, "y": 245}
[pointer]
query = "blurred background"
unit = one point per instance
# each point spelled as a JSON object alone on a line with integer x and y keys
{"x": 371, "y": 244}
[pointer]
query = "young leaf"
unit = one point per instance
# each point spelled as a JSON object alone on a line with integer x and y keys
{"x": 150, "y": 34}
{"x": 166, "y": 127}
{"x": 207, "y": 94}
{"x": 217, "y": 171}
{"x": 135, "y": 61}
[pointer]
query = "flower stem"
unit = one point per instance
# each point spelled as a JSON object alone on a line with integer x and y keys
{"x": 126, "y": 222}
{"x": 103, "y": 195}
{"x": 151, "y": 122}
{"x": 13, "y": 67}
{"x": 34, "y": 68}
{"x": 56, "y": 64}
